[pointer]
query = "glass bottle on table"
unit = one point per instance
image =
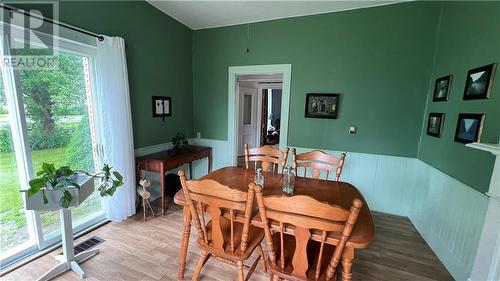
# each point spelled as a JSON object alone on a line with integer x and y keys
{"x": 288, "y": 181}
{"x": 259, "y": 177}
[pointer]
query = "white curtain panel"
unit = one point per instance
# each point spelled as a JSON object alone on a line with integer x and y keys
{"x": 115, "y": 123}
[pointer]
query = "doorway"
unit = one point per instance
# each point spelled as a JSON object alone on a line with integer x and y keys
{"x": 260, "y": 110}
{"x": 258, "y": 106}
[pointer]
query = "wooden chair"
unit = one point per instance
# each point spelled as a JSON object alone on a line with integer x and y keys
{"x": 268, "y": 156}
{"x": 223, "y": 237}
{"x": 318, "y": 160}
{"x": 299, "y": 257}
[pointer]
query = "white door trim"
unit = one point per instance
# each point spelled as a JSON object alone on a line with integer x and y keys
{"x": 233, "y": 101}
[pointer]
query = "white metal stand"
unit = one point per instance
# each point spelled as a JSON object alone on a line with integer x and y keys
{"x": 68, "y": 260}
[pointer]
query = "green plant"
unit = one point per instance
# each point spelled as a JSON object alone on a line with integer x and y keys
{"x": 5, "y": 139}
{"x": 79, "y": 149}
{"x": 64, "y": 177}
{"x": 179, "y": 142}
{"x": 59, "y": 137}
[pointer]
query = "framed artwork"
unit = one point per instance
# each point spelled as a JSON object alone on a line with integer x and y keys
{"x": 469, "y": 127}
{"x": 162, "y": 106}
{"x": 322, "y": 105}
{"x": 435, "y": 124}
{"x": 479, "y": 82}
{"x": 442, "y": 88}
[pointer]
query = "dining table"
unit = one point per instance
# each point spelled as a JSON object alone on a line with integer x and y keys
{"x": 327, "y": 191}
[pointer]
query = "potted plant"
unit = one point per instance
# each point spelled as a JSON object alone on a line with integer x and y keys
{"x": 56, "y": 188}
{"x": 61, "y": 188}
{"x": 180, "y": 142}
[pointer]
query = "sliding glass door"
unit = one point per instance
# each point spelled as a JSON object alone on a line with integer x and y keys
{"x": 13, "y": 221}
{"x": 47, "y": 114}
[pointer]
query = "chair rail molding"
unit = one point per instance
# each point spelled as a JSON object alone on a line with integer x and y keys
{"x": 487, "y": 261}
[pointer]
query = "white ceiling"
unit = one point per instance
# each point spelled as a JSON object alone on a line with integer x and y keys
{"x": 208, "y": 14}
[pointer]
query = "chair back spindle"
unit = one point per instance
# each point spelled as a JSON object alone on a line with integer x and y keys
{"x": 269, "y": 157}
{"x": 308, "y": 216}
{"x": 316, "y": 161}
{"x": 209, "y": 196}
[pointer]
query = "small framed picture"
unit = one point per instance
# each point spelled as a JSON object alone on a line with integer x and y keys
{"x": 442, "y": 88}
{"x": 435, "y": 124}
{"x": 469, "y": 127}
{"x": 162, "y": 106}
{"x": 322, "y": 105}
{"x": 479, "y": 82}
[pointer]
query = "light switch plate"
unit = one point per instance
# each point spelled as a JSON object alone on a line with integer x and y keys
{"x": 352, "y": 130}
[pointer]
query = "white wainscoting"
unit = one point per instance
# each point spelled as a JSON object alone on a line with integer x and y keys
{"x": 447, "y": 213}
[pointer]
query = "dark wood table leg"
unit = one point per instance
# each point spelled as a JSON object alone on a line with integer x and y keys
{"x": 162, "y": 184}
{"x": 210, "y": 161}
{"x": 347, "y": 258}
{"x": 185, "y": 242}
{"x": 190, "y": 171}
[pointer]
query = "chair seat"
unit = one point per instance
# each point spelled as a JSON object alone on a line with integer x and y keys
{"x": 255, "y": 237}
{"x": 313, "y": 248}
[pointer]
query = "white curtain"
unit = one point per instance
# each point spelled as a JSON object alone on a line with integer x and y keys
{"x": 115, "y": 123}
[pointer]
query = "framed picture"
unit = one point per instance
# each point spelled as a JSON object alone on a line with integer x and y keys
{"x": 435, "y": 124}
{"x": 479, "y": 82}
{"x": 442, "y": 88}
{"x": 322, "y": 105}
{"x": 162, "y": 106}
{"x": 469, "y": 127}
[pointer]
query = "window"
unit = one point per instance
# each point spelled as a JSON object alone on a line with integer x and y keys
{"x": 46, "y": 115}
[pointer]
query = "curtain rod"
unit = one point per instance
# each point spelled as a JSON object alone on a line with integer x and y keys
{"x": 68, "y": 26}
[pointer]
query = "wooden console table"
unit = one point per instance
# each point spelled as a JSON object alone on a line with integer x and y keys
{"x": 166, "y": 160}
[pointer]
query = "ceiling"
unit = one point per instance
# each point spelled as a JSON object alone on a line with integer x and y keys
{"x": 208, "y": 14}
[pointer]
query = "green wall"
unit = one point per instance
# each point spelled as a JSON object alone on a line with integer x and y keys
{"x": 379, "y": 59}
{"x": 158, "y": 57}
{"x": 469, "y": 37}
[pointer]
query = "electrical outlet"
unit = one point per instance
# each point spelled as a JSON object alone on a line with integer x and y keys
{"x": 352, "y": 130}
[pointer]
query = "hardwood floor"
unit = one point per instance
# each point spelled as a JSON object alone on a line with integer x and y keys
{"x": 137, "y": 250}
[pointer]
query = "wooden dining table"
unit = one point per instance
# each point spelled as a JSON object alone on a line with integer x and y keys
{"x": 332, "y": 192}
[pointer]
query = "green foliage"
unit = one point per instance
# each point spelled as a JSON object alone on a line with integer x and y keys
{"x": 59, "y": 137}
{"x": 51, "y": 178}
{"x": 79, "y": 149}
{"x": 64, "y": 177}
{"x": 5, "y": 140}
{"x": 3, "y": 101}
{"x": 179, "y": 142}
{"x": 110, "y": 181}
{"x": 50, "y": 92}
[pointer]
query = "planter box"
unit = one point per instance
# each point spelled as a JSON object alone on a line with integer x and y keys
{"x": 35, "y": 202}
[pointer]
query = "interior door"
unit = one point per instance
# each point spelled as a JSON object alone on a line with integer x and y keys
{"x": 248, "y": 128}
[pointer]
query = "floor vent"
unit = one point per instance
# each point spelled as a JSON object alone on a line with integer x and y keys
{"x": 87, "y": 244}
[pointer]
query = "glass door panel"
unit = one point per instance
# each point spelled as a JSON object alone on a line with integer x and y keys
{"x": 56, "y": 104}
{"x": 13, "y": 223}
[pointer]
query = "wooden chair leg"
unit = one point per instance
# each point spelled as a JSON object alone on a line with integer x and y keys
{"x": 263, "y": 259}
{"x": 241, "y": 276}
{"x": 185, "y": 243}
{"x": 347, "y": 258}
{"x": 203, "y": 259}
